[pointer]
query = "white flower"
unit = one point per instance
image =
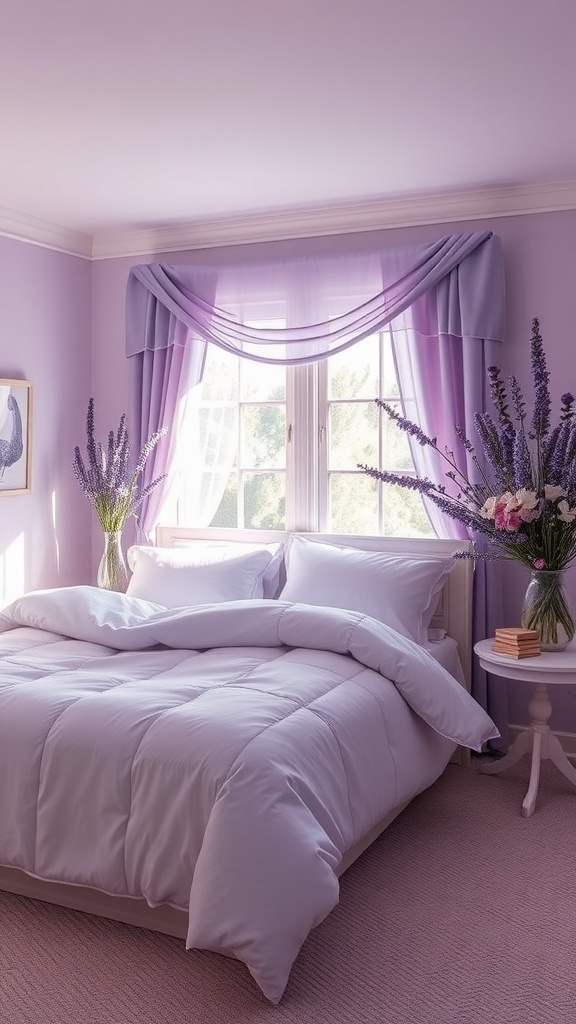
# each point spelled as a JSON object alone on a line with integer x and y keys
{"x": 527, "y": 499}
{"x": 525, "y": 504}
{"x": 566, "y": 514}
{"x": 551, "y": 492}
{"x": 488, "y": 508}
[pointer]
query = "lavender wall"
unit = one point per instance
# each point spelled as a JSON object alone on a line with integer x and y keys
{"x": 45, "y": 332}
{"x": 540, "y": 257}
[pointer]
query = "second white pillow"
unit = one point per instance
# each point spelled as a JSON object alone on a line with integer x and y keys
{"x": 396, "y": 589}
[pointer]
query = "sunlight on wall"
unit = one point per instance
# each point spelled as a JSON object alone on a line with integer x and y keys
{"x": 12, "y": 571}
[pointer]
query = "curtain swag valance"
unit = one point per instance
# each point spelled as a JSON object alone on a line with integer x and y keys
{"x": 461, "y": 275}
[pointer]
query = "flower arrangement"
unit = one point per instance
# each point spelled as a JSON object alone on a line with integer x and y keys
{"x": 109, "y": 480}
{"x": 113, "y": 487}
{"x": 523, "y": 504}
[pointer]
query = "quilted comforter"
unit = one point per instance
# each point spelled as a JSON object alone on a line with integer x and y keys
{"x": 220, "y": 759}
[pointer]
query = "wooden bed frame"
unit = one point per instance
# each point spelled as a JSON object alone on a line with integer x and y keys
{"x": 454, "y": 614}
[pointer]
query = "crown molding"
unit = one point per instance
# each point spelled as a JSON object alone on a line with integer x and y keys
{"x": 338, "y": 218}
{"x": 295, "y": 222}
{"x": 42, "y": 232}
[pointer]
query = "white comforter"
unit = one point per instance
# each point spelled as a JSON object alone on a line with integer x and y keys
{"x": 220, "y": 759}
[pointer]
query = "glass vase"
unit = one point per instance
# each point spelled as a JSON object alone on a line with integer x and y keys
{"x": 546, "y": 609}
{"x": 112, "y": 571}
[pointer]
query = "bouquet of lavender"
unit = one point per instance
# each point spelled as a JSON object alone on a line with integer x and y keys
{"x": 523, "y": 504}
{"x": 109, "y": 479}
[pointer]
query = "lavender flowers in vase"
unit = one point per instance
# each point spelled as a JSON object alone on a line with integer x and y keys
{"x": 522, "y": 501}
{"x": 112, "y": 484}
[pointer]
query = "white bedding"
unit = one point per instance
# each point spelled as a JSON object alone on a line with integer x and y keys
{"x": 221, "y": 759}
{"x": 445, "y": 652}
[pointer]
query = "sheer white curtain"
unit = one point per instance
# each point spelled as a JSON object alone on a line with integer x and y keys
{"x": 208, "y": 442}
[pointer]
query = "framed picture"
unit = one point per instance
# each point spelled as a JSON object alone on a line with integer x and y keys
{"x": 15, "y": 436}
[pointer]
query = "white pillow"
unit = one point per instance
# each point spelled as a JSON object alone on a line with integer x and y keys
{"x": 205, "y": 552}
{"x": 398, "y": 590}
{"x": 180, "y": 577}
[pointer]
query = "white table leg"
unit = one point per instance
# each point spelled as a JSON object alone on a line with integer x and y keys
{"x": 557, "y": 755}
{"x": 529, "y": 801}
{"x": 543, "y": 744}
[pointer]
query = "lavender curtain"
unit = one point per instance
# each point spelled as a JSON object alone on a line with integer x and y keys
{"x": 452, "y": 295}
{"x": 443, "y": 382}
{"x": 160, "y": 376}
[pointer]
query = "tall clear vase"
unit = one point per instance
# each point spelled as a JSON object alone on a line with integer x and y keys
{"x": 546, "y": 609}
{"x": 112, "y": 571}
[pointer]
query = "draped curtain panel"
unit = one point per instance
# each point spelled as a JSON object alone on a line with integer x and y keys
{"x": 443, "y": 381}
{"x": 444, "y": 302}
{"x": 161, "y": 374}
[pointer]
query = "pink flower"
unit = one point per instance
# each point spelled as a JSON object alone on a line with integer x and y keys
{"x": 504, "y": 520}
{"x": 507, "y": 513}
{"x": 539, "y": 563}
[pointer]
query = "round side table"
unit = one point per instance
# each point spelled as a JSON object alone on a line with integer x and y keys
{"x": 549, "y": 668}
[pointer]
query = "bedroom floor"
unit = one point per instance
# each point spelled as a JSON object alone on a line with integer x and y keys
{"x": 463, "y": 911}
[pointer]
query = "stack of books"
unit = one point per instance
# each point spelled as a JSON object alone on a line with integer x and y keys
{"x": 516, "y": 642}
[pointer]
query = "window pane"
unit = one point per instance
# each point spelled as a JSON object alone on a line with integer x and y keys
{"x": 260, "y": 382}
{"x": 263, "y": 439}
{"x": 404, "y": 514}
{"x": 264, "y": 501}
{"x": 354, "y": 372}
{"x": 353, "y": 436}
{"x": 353, "y": 504}
{"x": 354, "y": 508}
{"x": 395, "y": 447}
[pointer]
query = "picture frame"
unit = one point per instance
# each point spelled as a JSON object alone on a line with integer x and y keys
{"x": 15, "y": 436}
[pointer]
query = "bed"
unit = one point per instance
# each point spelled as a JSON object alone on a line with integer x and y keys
{"x": 207, "y": 754}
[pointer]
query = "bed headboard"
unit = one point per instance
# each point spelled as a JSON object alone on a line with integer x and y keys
{"x": 454, "y": 611}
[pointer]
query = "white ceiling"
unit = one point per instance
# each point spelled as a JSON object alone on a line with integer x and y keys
{"x": 133, "y": 115}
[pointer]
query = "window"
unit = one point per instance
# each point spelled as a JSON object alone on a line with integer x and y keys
{"x": 274, "y": 447}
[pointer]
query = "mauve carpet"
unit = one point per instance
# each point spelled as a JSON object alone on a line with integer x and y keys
{"x": 463, "y": 911}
